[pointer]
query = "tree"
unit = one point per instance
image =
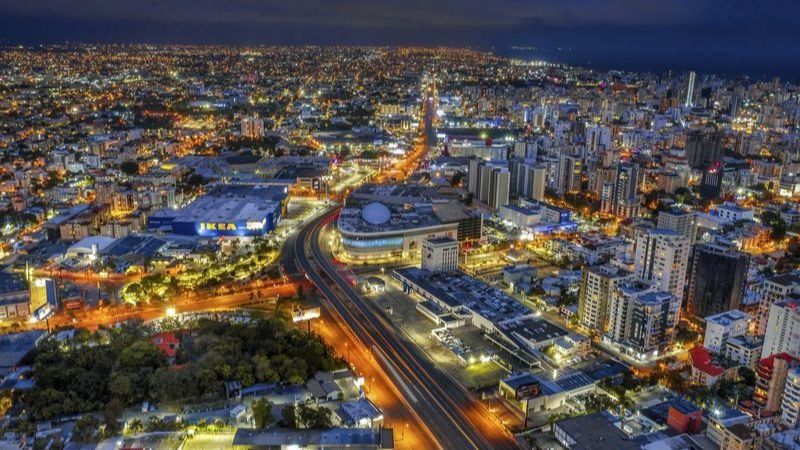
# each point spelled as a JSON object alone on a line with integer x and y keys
{"x": 747, "y": 375}
{"x": 85, "y": 429}
{"x": 289, "y": 415}
{"x": 129, "y": 167}
{"x": 120, "y": 386}
{"x": 111, "y": 416}
{"x": 262, "y": 412}
{"x": 135, "y": 426}
{"x": 315, "y": 417}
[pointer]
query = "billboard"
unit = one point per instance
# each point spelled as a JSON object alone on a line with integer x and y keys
{"x": 527, "y": 390}
{"x": 300, "y": 315}
{"x": 43, "y": 297}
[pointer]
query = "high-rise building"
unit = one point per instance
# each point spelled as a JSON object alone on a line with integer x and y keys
{"x": 499, "y": 187}
{"x": 597, "y": 285}
{"x": 771, "y": 375}
{"x": 690, "y": 89}
{"x": 771, "y": 291}
{"x": 526, "y": 150}
{"x": 661, "y": 256}
{"x": 653, "y": 321}
{"x": 783, "y": 329}
{"x": 439, "y": 253}
{"x": 598, "y": 138}
{"x": 621, "y": 197}
{"x": 252, "y": 127}
{"x": 620, "y": 306}
{"x": 790, "y": 404}
{"x": 489, "y": 182}
{"x": 641, "y": 319}
{"x": 711, "y": 182}
{"x": 569, "y": 174}
{"x": 679, "y": 220}
{"x": 703, "y": 148}
{"x": 717, "y": 279}
{"x": 528, "y": 179}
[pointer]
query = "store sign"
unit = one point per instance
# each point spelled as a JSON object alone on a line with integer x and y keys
{"x": 217, "y": 226}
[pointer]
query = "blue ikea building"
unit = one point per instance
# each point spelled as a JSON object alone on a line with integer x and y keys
{"x": 226, "y": 210}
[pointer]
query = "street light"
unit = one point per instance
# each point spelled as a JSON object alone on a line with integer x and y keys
{"x": 171, "y": 312}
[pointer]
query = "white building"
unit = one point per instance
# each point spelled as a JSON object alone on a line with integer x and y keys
{"x": 772, "y": 291}
{"x": 783, "y": 329}
{"x": 597, "y": 285}
{"x": 744, "y": 350}
{"x": 252, "y": 127}
{"x": 683, "y": 222}
{"x": 662, "y": 256}
{"x": 440, "y": 254}
{"x": 790, "y": 404}
{"x": 721, "y": 327}
{"x": 519, "y": 216}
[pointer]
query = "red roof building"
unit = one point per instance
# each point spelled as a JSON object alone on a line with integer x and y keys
{"x": 167, "y": 343}
{"x": 704, "y": 371}
{"x": 771, "y": 376}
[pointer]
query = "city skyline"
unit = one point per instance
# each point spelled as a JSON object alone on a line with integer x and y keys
{"x": 729, "y": 38}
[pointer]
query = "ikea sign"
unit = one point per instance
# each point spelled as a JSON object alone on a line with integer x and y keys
{"x": 252, "y": 227}
{"x": 217, "y": 226}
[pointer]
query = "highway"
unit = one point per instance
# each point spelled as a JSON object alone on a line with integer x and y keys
{"x": 455, "y": 419}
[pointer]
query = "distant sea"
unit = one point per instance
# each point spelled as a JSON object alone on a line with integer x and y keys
{"x": 755, "y": 68}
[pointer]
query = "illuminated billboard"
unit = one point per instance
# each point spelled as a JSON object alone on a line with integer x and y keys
{"x": 43, "y": 297}
{"x": 301, "y": 315}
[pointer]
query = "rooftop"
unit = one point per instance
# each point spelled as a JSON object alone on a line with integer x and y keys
{"x": 355, "y": 438}
{"x": 595, "y": 431}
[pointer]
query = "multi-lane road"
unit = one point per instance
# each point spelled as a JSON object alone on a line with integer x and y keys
{"x": 449, "y": 416}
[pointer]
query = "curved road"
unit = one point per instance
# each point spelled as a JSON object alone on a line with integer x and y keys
{"x": 453, "y": 416}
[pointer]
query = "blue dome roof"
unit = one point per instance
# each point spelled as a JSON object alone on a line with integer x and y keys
{"x": 376, "y": 213}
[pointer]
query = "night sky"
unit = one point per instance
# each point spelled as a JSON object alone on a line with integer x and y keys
{"x": 759, "y": 38}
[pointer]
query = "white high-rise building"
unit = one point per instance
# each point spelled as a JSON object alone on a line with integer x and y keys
{"x": 790, "y": 404}
{"x": 618, "y": 316}
{"x": 641, "y": 318}
{"x": 252, "y": 127}
{"x": 684, "y": 222}
{"x": 783, "y": 329}
{"x": 569, "y": 173}
{"x": 690, "y": 89}
{"x": 598, "y": 138}
{"x": 662, "y": 257}
{"x": 772, "y": 291}
{"x": 597, "y": 285}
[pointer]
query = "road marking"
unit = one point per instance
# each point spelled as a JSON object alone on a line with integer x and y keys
{"x": 396, "y": 375}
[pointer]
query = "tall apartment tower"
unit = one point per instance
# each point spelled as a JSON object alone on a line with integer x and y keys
{"x": 499, "y": 183}
{"x": 569, "y": 174}
{"x": 717, "y": 279}
{"x": 662, "y": 257}
{"x": 597, "y": 285}
{"x": 703, "y": 148}
{"x": 489, "y": 182}
{"x": 772, "y": 291}
{"x": 690, "y": 89}
{"x": 783, "y": 329}
{"x": 528, "y": 179}
{"x": 790, "y": 404}
{"x": 621, "y": 197}
{"x": 681, "y": 221}
{"x": 252, "y": 127}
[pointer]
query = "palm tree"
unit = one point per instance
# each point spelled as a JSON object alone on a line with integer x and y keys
{"x": 135, "y": 426}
